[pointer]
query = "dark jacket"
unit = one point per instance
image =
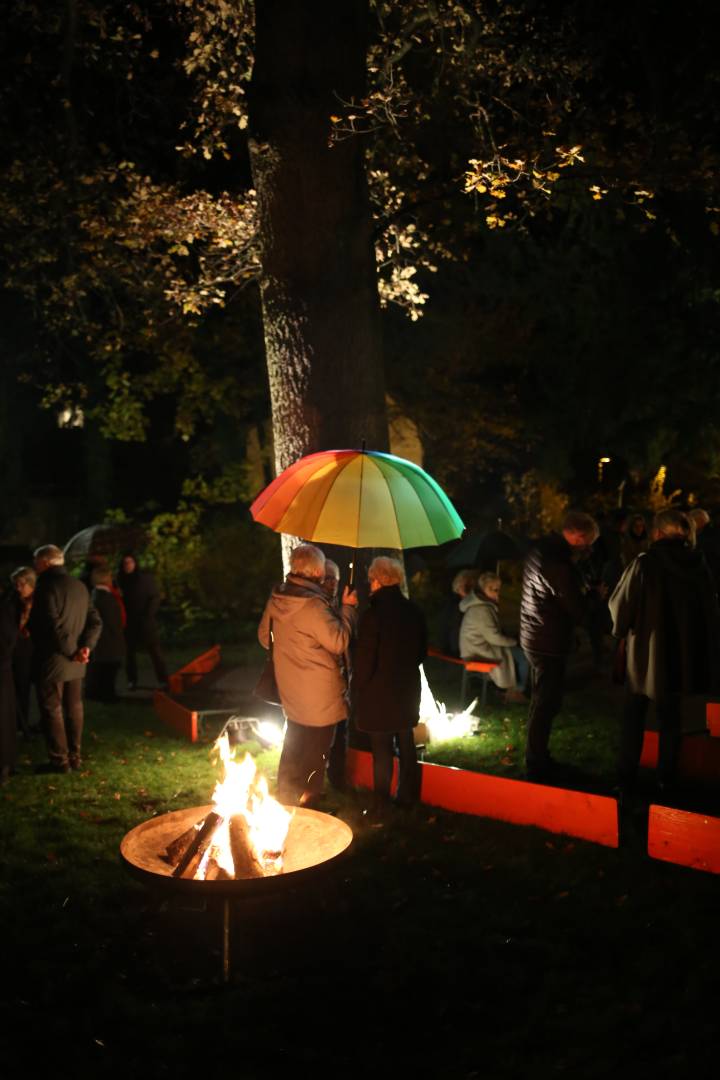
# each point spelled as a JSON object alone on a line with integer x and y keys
{"x": 665, "y": 606}
{"x": 62, "y": 621}
{"x": 552, "y": 602}
{"x": 391, "y": 644}
{"x": 9, "y": 619}
{"x": 141, "y": 595}
{"x": 111, "y": 644}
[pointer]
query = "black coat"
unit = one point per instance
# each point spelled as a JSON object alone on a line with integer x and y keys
{"x": 62, "y": 621}
{"x": 142, "y": 599}
{"x": 391, "y": 644}
{"x": 9, "y": 619}
{"x": 111, "y": 644}
{"x": 665, "y": 606}
{"x": 552, "y": 601}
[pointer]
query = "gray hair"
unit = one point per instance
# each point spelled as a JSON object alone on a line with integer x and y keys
{"x": 488, "y": 579}
{"x": 24, "y": 573}
{"x": 578, "y": 522}
{"x": 51, "y": 553}
{"x": 675, "y": 523}
{"x": 464, "y": 582}
{"x": 332, "y": 569}
{"x": 700, "y": 518}
{"x": 307, "y": 561}
{"x": 386, "y": 571}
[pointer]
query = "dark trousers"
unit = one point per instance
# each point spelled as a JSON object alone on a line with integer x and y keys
{"x": 134, "y": 643}
{"x": 61, "y": 716}
{"x": 100, "y": 684}
{"x": 383, "y": 746}
{"x": 632, "y": 732}
{"x": 548, "y": 683}
{"x": 338, "y": 756}
{"x": 301, "y": 771}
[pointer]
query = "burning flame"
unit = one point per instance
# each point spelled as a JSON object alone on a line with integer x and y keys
{"x": 241, "y": 792}
{"x": 439, "y": 722}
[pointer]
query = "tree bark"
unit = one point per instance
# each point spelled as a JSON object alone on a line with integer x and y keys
{"x": 318, "y": 283}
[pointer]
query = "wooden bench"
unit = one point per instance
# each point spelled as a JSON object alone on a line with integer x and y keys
{"x": 470, "y": 667}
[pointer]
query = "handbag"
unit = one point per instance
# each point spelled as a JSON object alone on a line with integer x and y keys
{"x": 266, "y": 687}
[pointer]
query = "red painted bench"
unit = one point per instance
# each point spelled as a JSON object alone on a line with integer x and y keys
{"x": 681, "y": 837}
{"x": 699, "y": 755}
{"x": 192, "y": 672}
{"x": 474, "y": 667}
{"x": 574, "y": 813}
{"x": 712, "y": 717}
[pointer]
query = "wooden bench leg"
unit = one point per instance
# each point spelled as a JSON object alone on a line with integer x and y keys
{"x": 463, "y": 689}
{"x": 483, "y": 695}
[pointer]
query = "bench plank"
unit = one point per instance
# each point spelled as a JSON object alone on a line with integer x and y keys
{"x": 679, "y": 836}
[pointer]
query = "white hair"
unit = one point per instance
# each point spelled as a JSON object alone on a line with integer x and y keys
{"x": 307, "y": 561}
{"x": 51, "y": 554}
{"x": 386, "y": 571}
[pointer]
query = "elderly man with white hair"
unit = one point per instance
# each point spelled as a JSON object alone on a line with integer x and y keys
{"x": 64, "y": 628}
{"x": 309, "y": 635}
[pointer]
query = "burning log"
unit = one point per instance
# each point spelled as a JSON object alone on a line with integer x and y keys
{"x": 188, "y": 865}
{"x": 176, "y": 847}
{"x": 245, "y": 860}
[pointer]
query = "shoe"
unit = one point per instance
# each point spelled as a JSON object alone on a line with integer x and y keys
{"x": 76, "y": 764}
{"x": 51, "y": 767}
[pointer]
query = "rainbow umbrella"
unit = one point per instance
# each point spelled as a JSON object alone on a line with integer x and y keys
{"x": 358, "y": 499}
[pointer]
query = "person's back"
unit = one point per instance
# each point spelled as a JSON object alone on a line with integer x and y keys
{"x": 59, "y": 613}
{"x": 551, "y": 604}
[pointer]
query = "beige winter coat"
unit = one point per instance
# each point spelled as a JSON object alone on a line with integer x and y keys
{"x": 482, "y": 638}
{"x": 310, "y": 636}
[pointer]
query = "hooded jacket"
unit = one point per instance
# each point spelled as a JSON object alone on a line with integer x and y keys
{"x": 481, "y": 637}
{"x": 309, "y": 637}
{"x": 665, "y": 605}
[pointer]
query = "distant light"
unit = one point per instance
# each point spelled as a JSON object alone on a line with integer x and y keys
{"x": 71, "y": 417}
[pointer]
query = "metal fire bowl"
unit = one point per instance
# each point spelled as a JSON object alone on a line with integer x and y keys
{"x": 314, "y": 840}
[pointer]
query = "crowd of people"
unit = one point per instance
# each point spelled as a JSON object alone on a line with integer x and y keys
{"x": 69, "y": 636}
{"x": 653, "y": 588}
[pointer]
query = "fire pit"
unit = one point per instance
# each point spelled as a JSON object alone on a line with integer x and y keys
{"x": 313, "y": 840}
{"x": 243, "y": 845}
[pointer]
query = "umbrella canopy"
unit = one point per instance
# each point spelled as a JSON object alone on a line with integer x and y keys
{"x": 106, "y": 540}
{"x": 483, "y": 549}
{"x": 358, "y": 498}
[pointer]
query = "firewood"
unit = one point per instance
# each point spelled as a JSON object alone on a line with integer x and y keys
{"x": 174, "y": 850}
{"x": 188, "y": 865}
{"x": 245, "y": 860}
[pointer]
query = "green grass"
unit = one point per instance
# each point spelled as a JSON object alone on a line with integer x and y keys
{"x": 444, "y": 945}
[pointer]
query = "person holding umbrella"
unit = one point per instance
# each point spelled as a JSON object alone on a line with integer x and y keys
{"x": 391, "y": 645}
{"x": 309, "y": 635}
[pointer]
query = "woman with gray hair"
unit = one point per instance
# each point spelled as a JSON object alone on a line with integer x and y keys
{"x": 391, "y": 645}
{"x": 481, "y": 637}
{"x": 309, "y": 635}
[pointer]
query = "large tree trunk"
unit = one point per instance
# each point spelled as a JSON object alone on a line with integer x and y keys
{"x": 319, "y": 291}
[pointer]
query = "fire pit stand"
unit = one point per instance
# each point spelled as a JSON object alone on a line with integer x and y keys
{"x": 314, "y": 842}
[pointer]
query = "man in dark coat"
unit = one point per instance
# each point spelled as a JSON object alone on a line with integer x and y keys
{"x": 391, "y": 645}
{"x": 552, "y": 606}
{"x": 141, "y": 596}
{"x": 109, "y": 652}
{"x": 9, "y": 621}
{"x": 64, "y": 627}
{"x": 665, "y": 606}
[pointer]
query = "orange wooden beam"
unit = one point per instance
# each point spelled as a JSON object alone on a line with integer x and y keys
{"x": 712, "y": 718}
{"x": 194, "y": 670}
{"x": 181, "y": 720}
{"x": 681, "y": 837}
{"x": 575, "y": 813}
{"x": 699, "y": 755}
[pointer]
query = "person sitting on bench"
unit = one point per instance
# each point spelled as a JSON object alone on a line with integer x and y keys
{"x": 481, "y": 637}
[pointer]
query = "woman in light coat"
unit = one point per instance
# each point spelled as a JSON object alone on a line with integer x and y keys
{"x": 309, "y": 635}
{"x": 481, "y": 637}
